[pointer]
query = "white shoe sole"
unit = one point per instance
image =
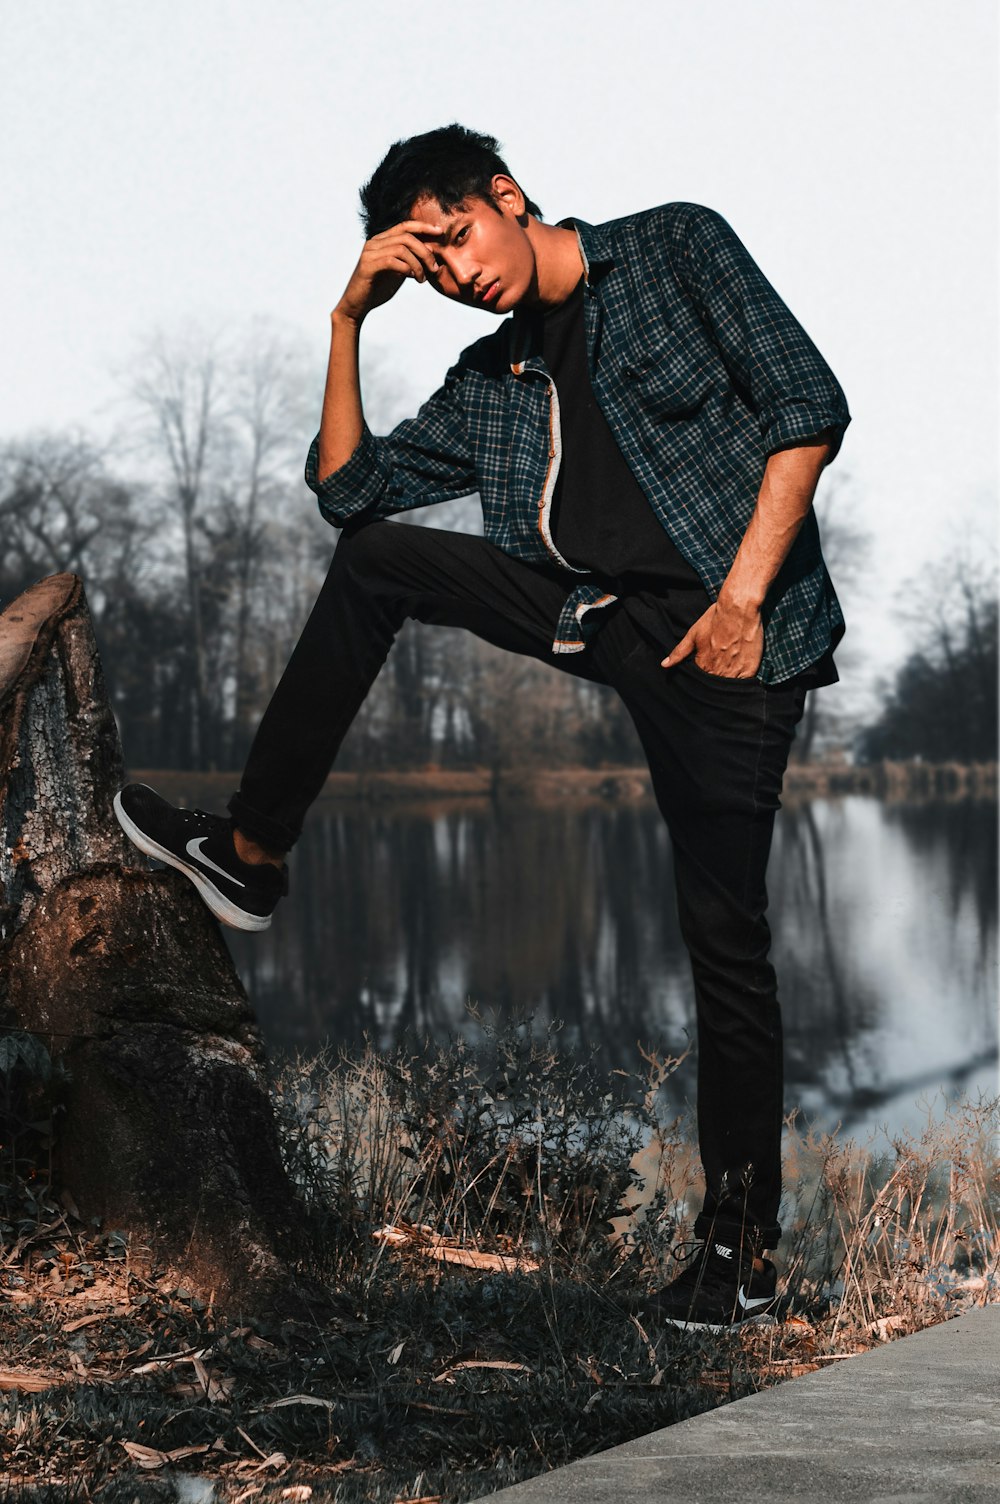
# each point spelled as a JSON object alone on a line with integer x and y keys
{"x": 220, "y": 905}
{"x": 757, "y": 1318}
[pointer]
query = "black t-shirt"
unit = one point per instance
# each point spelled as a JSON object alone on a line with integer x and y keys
{"x": 601, "y": 518}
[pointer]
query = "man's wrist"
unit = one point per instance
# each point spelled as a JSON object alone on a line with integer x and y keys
{"x": 745, "y": 599}
{"x": 341, "y": 319}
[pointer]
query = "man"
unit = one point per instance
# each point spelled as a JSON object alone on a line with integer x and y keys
{"x": 646, "y": 434}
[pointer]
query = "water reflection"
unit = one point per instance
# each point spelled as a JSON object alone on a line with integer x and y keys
{"x": 887, "y": 954}
{"x": 884, "y": 923}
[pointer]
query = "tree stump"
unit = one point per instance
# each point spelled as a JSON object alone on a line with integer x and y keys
{"x": 168, "y": 1130}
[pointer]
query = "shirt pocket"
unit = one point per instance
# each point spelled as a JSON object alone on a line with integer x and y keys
{"x": 668, "y": 378}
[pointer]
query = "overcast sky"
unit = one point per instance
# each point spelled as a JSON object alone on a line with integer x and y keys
{"x": 181, "y": 158}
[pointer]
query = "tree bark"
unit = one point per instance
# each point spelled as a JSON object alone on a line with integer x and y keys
{"x": 168, "y": 1130}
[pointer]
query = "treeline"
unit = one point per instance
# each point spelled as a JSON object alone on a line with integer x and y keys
{"x": 942, "y": 706}
{"x": 202, "y": 551}
{"x": 191, "y": 535}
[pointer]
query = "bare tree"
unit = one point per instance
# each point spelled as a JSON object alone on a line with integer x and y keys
{"x": 62, "y": 508}
{"x": 831, "y": 715}
{"x": 229, "y": 421}
{"x": 176, "y": 387}
{"x": 943, "y": 703}
{"x": 269, "y": 417}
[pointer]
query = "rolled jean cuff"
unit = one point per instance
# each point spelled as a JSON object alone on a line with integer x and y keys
{"x": 270, "y": 834}
{"x": 738, "y": 1232}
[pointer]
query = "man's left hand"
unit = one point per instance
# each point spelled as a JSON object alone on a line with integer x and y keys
{"x": 727, "y": 640}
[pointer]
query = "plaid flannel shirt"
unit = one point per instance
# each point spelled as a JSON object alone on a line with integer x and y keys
{"x": 702, "y": 372}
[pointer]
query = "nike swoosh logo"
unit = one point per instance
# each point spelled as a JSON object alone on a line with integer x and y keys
{"x": 750, "y": 1305}
{"x": 193, "y": 848}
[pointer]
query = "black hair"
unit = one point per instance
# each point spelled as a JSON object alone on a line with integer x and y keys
{"x": 451, "y": 164}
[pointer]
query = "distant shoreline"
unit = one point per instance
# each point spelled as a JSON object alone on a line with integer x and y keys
{"x": 894, "y": 781}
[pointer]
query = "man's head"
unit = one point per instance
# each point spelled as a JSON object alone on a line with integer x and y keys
{"x": 451, "y": 166}
{"x": 456, "y": 178}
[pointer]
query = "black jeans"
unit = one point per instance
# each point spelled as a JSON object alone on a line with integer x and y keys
{"x": 716, "y": 748}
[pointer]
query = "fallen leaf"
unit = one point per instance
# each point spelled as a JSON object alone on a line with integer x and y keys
{"x": 650, "y": 1349}
{"x": 179, "y": 1452}
{"x": 391, "y": 1235}
{"x": 81, "y": 1321}
{"x": 31, "y": 1383}
{"x": 149, "y": 1457}
{"x": 145, "y": 1456}
{"x": 216, "y": 1390}
{"x": 886, "y": 1325}
{"x": 296, "y": 1399}
{"x": 481, "y": 1363}
{"x": 69, "y": 1204}
{"x": 298, "y": 1492}
{"x": 433, "y": 1246}
{"x": 276, "y": 1460}
{"x": 471, "y": 1258}
{"x": 166, "y": 1360}
{"x": 219, "y": 1390}
{"x": 261, "y": 1344}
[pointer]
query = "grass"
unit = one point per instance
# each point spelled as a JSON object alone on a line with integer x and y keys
{"x": 491, "y": 1217}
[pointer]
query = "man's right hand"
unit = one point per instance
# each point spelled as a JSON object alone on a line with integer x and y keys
{"x": 384, "y": 265}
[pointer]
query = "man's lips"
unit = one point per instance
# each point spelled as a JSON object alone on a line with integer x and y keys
{"x": 491, "y": 292}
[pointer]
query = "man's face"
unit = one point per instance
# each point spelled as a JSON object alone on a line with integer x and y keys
{"x": 484, "y": 257}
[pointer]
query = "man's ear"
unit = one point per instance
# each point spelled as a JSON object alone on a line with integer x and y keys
{"x": 508, "y": 196}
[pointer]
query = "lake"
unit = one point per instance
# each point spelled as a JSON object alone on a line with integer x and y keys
{"x": 884, "y": 918}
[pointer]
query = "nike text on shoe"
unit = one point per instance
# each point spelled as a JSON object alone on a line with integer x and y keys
{"x": 200, "y": 845}
{"x": 720, "y": 1288}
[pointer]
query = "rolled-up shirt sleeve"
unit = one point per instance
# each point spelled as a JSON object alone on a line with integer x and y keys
{"x": 770, "y": 357}
{"x": 359, "y": 483}
{"x": 425, "y": 459}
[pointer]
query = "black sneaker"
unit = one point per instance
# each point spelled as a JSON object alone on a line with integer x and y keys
{"x": 719, "y": 1289}
{"x": 241, "y": 894}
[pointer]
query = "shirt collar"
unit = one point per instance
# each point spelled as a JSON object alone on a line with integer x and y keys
{"x": 595, "y": 249}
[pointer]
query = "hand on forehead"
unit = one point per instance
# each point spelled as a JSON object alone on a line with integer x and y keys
{"x": 430, "y": 212}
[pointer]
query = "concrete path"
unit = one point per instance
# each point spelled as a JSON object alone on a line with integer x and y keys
{"x": 914, "y": 1422}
